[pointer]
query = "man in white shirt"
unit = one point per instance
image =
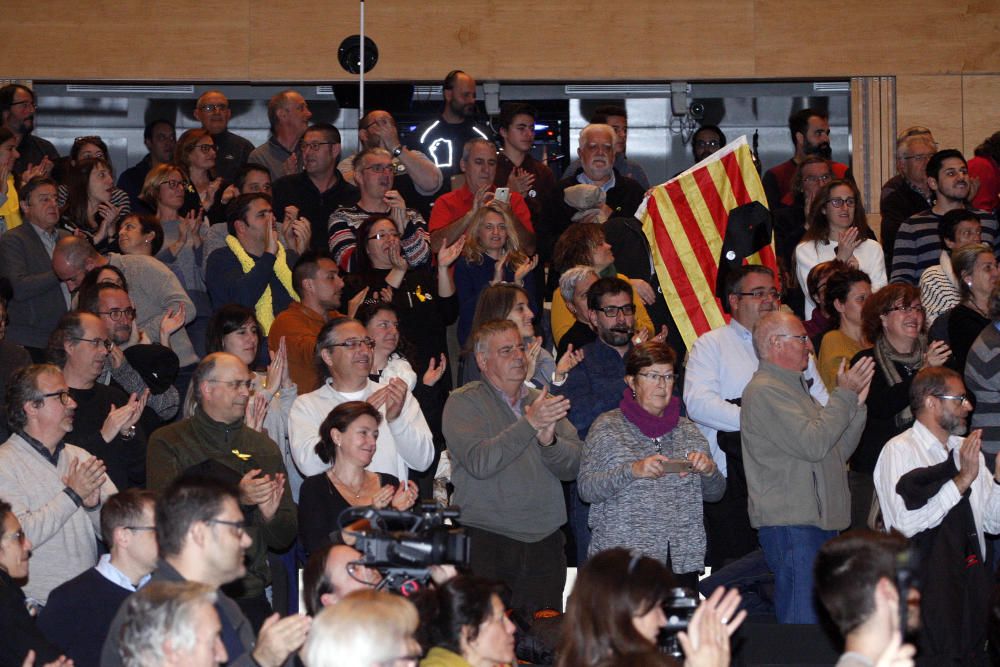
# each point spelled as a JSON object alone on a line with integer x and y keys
{"x": 934, "y": 487}
{"x": 719, "y": 366}
{"x": 404, "y": 440}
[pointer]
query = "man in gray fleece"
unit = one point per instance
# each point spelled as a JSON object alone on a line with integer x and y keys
{"x": 795, "y": 453}
{"x": 510, "y": 447}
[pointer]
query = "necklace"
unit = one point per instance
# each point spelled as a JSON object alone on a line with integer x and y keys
{"x": 357, "y": 494}
{"x": 979, "y": 310}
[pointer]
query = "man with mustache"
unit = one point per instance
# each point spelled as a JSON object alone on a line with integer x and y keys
{"x": 918, "y": 244}
{"x": 55, "y": 489}
{"x": 810, "y": 130}
{"x": 442, "y": 138}
{"x": 935, "y": 488}
{"x": 17, "y": 113}
{"x": 510, "y": 448}
{"x": 217, "y": 443}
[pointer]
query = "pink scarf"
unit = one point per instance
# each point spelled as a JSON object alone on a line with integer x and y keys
{"x": 650, "y": 425}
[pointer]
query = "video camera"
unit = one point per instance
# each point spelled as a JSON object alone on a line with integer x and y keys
{"x": 404, "y": 545}
{"x": 678, "y": 607}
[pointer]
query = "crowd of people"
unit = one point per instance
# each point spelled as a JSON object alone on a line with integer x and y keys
{"x": 205, "y": 361}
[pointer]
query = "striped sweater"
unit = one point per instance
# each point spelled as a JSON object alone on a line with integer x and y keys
{"x": 918, "y": 245}
{"x": 982, "y": 378}
{"x": 342, "y": 242}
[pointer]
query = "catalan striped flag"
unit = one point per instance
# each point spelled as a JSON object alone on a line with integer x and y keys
{"x": 685, "y": 223}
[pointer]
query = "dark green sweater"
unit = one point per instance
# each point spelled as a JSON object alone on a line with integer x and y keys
{"x": 203, "y": 444}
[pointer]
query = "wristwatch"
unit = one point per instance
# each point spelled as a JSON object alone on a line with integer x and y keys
{"x": 397, "y": 151}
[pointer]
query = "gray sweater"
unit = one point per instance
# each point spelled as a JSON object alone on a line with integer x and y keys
{"x": 982, "y": 378}
{"x": 64, "y": 535}
{"x": 505, "y": 482}
{"x": 656, "y": 516}
{"x": 795, "y": 450}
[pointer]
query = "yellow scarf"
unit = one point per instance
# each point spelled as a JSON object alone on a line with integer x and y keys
{"x": 265, "y": 304}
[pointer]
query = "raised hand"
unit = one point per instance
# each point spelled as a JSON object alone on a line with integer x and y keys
{"x": 277, "y": 370}
{"x": 644, "y": 289}
{"x": 524, "y": 269}
{"x": 171, "y": 322}
{"x": 570, "y": 359}
{"x": 858, "y": 378}
{"x": 531, "y": 356}
{"x": 483, "y": 197}
{"x": 404, "y": 497}
{"x": 85, "y": 479}
{"x": 269, "y": 507}
{"x": 706, "y": 640}
{"x": 847, "y": 244}
{"x": 229, "y": 194}
{"x": 396, "y": 258}
{"x": 447, "y": 255}
{"x": 291, "y": 165}
{"x": 520, "y": 181}
{"x": 356, "y": 301}
{"x": 435, "y": 371}
{"x": 396, "y": 391}
{"x": 256, "y": 410}
{"x": 968, "y": 457}
{"x": 280, "y": 637}
{"x": 937, "y": 353}
{"x": 255, "y": 487}
{"x": 546, "y": 410}
{"x": 499, "y": 267}
{"x": 299, "y": 234}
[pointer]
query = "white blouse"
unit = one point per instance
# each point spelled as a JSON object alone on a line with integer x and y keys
{"x": 810, "y": 253}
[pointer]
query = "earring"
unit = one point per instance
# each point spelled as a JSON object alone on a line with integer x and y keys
{"x": 633, "y": 393}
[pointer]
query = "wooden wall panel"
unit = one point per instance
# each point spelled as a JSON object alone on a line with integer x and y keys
{"x": 130, "y": 40}
{"x": 980, "y": 109}
{"x": 934, "y": 102}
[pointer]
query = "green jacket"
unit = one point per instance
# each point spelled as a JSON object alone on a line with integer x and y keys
{"x": 190, "y": 443}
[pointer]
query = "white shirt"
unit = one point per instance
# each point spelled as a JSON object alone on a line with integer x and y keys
{"x": 869, "y": 254}
{"x": 915, "y": 448}
{"x": 115, "y": 576}
{"x": 403, "y": 443}
{"x": 719, "y": 367}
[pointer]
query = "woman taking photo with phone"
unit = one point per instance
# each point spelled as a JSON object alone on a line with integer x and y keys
{"x": 646, "y": 470}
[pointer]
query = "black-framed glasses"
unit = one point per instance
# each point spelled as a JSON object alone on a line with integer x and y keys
{"x": 235, "y": 385}
{"x": 116, "y": 314}
{"x": 209, "y": 108}
{"x": 378, "y": 168}
{"x": 207, "y": 148}
{"x": 906, "y": 309}
{"x": 761, "y": 293}
{"x": 658, "y": 378}
{"x": 961, "y": 398}
{"x": 822, "y": 178}
{"x": 314, "y": 145}
{"x": 239, "y": 526}
{"x": 354, "y": 343}
{"x": 63, "y": 395}
{"x": 612, "y": 311}
{"x": 139, "y": 529}
{"x": 922, "y": 157}
{"x": 802, "y": 338}
{"x": 382, "y": 235}
{"x": 172, "y": 183}
{"x": 96, "y": 342}
{"x": 22, "y": 103}
{"x": 838, "y": 202}
{"x": 508, "y": 350}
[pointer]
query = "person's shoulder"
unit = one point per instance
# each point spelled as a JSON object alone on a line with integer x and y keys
{"x": 171, "y": 433}
{"x": 612, "y": 419}
{"x": 81, "y": 589}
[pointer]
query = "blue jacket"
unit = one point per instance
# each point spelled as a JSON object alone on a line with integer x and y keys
{"x": 594, "y": 386}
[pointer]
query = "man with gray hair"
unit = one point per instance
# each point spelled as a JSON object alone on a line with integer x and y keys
{"x": 907, "y": 193}
{"x": 795, "y": 454}
{"x": 510, "y": 448}
{"x": 172, "y": 624}
{"x": 288, "y": 115}
{"x": 213, "y": 111}
{"x": 452, "y": 212}
{"x": 573, "y": 287}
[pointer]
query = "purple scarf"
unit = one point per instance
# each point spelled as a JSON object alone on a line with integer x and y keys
{"x": 650, "y": 425}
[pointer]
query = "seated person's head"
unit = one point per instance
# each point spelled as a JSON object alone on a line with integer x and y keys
{"x": 364, "y": 629}
{"x": 855, "y": 576}
{"x": 332, "y": 573}
{"x": 615, "y": 608}
{"x": 573, "y": 286}
{"x": 466, "y": 615}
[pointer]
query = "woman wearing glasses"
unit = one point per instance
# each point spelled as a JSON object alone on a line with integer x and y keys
{"x": 892, "y": 321}
{"x": 646, "y": 470}
{"x": 195, "y": 157}
{"x": 838, "y": 230}
{"x": 17, "y": 626}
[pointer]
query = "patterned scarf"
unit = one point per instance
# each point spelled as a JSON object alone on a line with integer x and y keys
{"x": 265, "y": 304}
{"x": 887, "y": 357}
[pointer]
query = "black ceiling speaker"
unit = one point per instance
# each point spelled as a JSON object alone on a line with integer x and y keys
{"x": 349, "y": 54}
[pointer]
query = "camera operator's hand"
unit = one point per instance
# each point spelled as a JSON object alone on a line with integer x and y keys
{"x": 706, "y": 642}
{"x": 279, "y": 638}
{"x": 897, "y": 654}
{"x": 441, "y": 574}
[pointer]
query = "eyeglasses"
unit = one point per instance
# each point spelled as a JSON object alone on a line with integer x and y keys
{"x": 761, "y": 293}
{"x": 382, "y": 235}
{"x": 906, "y": 309}
{"x": 239, "y": 526}
{"x": 235, "y": 384}
{"x": 962, "y": 398}
{"x": 17, "y": 536}
{"x": 658, "y": 378}
{"x": 209, "y": 108}
{"x": 63, "y": 395}
{"x": 139, "y": 529}
{"x": 507, "y": 350}
{"x": 817, "y": 179}
{"x": 314, "y": 145}
{"x": 378, "y": 168}
{"x": 96, "y": 342}
{"x": 355, "y": 343}
{"x": 24, "y": 103}
{"x": 923, "y": 157}
{"x": 711, "y": 143}
{"x": 802, "y": 338}
{"x": 206, "y": 148}
{"x": 612, "y": 311}
{"x": 838, "y": 202}
{"x": 173, "y": 183}
{"x": 116, "y": 314}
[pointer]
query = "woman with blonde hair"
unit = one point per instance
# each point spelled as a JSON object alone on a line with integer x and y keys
{"x": 491, "y": 255}
{"x": 365, "y": 629}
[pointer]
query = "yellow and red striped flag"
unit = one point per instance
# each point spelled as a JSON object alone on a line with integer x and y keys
{"x": 685, "y": 223}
